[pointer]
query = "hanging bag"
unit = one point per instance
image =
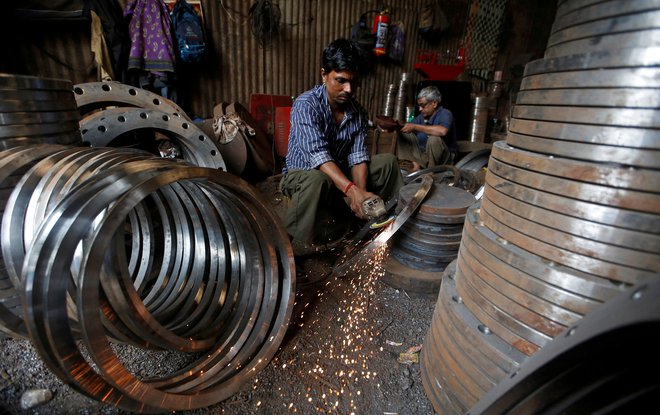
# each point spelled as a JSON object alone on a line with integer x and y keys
{"x": 188, "y": 32}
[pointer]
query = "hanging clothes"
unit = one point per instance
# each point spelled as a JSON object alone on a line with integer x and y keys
{"x": 152, "y": 48}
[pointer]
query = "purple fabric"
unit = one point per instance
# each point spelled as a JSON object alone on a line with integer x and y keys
{"x": 151, "y": 40}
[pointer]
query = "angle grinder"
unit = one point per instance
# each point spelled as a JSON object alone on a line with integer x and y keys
{"x": 374, "y": 209}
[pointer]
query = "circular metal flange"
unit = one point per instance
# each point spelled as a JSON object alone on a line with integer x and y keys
{"x": 461, "y": 357}
{"x": 70, "y": 138}
{"x": 627, "y": 156}
{"x": 13, "y": 162}
{"x": 580, "y": 13}
{"x": 603, "y": 28}
{"x": 569, "y": 372}
{"x": 475, "y": 160}
{"x": 569, "y": 288}
{"x": 98, "y": 95}
{"x": 417, "y": 283}
{"x": 645, "y": 180}
{"x": 578, "y": 226}
{"x": 592, "y": 97}
{"x": 645, "y": 77}
{"x": 99, "y": 129}
{"x": 641, "y": 38}
{"x": 618, "y": 58}
{"x": 620, "y": 117}
{"x": 580, "y": 257}
{"x": 625, "y": 138}
{"x": 593, "y": 212}
{"x": 442, "y": 201}
{"x": 609, "y": 196}
{"x": 10, "y": 81}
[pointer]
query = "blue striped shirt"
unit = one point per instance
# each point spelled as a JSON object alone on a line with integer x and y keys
{"x": 315, "y": 138}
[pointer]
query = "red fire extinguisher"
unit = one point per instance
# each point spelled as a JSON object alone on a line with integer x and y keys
{"x": 381, "y": 23}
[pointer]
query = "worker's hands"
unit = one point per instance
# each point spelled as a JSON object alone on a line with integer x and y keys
{"x": 408, "y": 128}
{"x": 356, "y": 197}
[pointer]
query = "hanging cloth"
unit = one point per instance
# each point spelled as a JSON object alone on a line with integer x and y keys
{"x": 152, "y": 49}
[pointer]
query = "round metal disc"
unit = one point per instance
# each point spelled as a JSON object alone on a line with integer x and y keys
{"x": 441, "y": 201}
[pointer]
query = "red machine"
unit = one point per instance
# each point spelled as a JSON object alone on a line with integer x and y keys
{"x": 430, "y": 66}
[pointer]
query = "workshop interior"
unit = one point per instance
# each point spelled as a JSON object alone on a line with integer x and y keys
{"x": 140, "y": 202}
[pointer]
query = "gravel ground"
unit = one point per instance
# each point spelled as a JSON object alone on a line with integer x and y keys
{"x": 340, "y": 356}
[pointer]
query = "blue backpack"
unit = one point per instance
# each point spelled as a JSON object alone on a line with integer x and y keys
{"x": 188, "y": 32}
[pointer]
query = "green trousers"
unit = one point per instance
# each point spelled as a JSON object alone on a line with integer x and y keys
{"x": 436, "y": 154}
{"x": 311, "y": 191}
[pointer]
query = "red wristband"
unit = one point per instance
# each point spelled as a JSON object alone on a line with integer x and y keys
{"x": 348, "y": 187}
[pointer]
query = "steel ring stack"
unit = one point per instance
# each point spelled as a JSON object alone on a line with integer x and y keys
{"x": 177, "y": 258}
{"x": 429, "y": 240}
{"x": 37, "y": 110}
{"x": 570, "y": 215}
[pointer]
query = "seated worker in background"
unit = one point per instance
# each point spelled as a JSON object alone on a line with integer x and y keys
{"x": 430, "y": 138}
{"x": 327, "y": 156}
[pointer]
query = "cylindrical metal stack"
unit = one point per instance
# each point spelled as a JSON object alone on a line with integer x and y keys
{"x": 388, "y": 106}
{"x": 105, "y": 245}
{"x": 429, "y": 240}
{"x": 37, "y": 110}
{"x": 571, "y": 211}
{"x": 482, "y": 107}
{"x": 401, "y": 99}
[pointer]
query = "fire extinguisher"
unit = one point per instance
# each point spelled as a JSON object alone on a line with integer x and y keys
{"x": 381, "y": 23}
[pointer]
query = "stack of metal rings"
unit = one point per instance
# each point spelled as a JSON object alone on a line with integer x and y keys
{"x": 110, "y": 245}
{"x": 37, "y": 110}
{"x": 570, "y": 215}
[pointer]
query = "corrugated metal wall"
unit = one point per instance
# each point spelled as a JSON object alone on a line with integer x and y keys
{"x": 236, "y": 65}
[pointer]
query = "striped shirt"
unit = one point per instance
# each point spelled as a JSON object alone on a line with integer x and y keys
{"x": 315, "y": 138}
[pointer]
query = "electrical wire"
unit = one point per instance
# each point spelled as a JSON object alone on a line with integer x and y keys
{"x": 264, "y": 18}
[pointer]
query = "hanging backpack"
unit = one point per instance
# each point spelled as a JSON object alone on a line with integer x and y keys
{"x": 188, "y": 32}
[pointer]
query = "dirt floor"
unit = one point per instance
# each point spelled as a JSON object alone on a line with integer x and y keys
{"x": 344, "y": 353}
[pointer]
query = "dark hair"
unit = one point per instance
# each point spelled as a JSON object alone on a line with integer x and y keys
{"x": 344, "y": 55}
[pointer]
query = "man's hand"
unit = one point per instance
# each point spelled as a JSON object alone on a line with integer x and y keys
{"x": 408, "y": 128}
{"x": 356, "y": 197}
